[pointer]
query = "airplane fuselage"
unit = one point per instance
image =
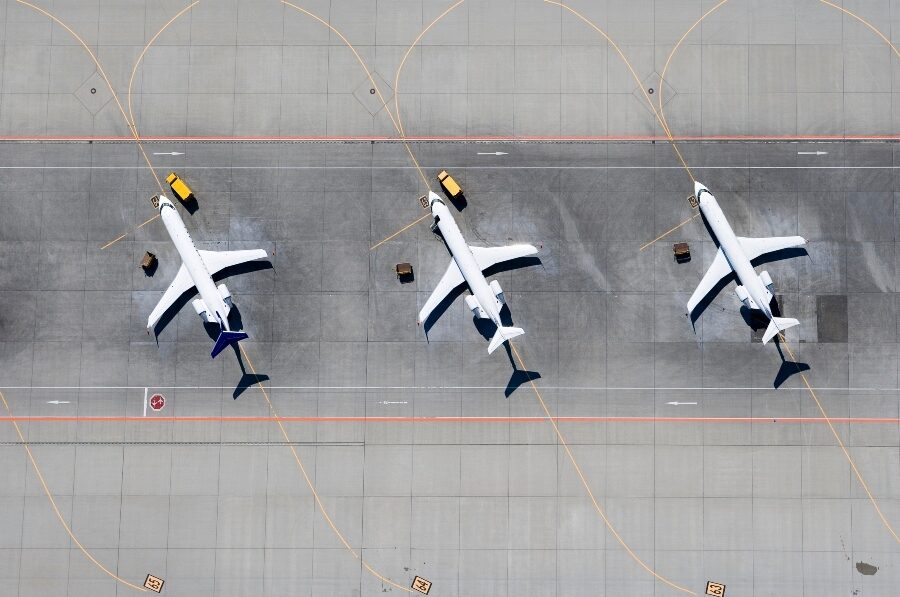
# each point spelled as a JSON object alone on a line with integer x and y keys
{"x": 466, "y": 261}
{"x": 760, "y": 297}
{"x": 193, "y": 262}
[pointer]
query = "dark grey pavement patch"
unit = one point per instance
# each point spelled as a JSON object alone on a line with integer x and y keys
{"x": 867, "y": 569}
{"x": 831, "y": 317}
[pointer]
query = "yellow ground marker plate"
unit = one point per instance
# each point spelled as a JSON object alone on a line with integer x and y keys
{"x": 715, "y": 589}
{"x": 154, "y": 584}
{"x": 421, "y": 585}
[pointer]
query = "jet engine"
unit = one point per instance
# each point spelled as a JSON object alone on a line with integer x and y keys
{"x": 743, "y": 295}
{"x": 475, "y": 307}
{"x": 498, "y": 292}
{"x": 202, "y": 310}
{"x": 766, "y": 279}
{"x": 225, "y": 294}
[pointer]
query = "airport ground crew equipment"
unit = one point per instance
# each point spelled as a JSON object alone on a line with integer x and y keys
{"x": 148, "y": 262}
{"x": 181, "y": 190}
{"x": 404, "y": 271}
{"x": 449, "y": 184}
{"x": 682, "y": 252}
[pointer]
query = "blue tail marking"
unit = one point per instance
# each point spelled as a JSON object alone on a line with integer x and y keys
{"x": 226, "y": 339}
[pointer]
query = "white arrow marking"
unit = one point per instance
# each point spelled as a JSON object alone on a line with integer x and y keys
{"x": 680, "y": 403}
{"x": 492, "y": 153}
{"x": 167, "y": 153}
{"x": 812, "y": 153}
{"x": 58, "y": 402}
{"x": 393, "y": 402}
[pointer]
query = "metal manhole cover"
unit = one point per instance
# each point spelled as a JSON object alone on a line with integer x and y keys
{"x": 650, "y": 85}
{"x": 93, "y": 93}
{"x": 366, "y": 93}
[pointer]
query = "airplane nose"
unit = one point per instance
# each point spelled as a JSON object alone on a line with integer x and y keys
{"x": 432, "y": 197}
{"x": 697, "y": 188}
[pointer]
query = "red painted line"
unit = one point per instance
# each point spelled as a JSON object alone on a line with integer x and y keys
{"x": 493, "y": 139}
{"x": 401, "y": 419}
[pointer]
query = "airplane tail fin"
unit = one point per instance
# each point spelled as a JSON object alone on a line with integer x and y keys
{"x": 225, "y": 340}
{"x": 778, "y": 324}
{"x": 502, "y": 335}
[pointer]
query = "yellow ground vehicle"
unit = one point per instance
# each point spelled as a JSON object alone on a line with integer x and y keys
{"x": 181, "y": 190}
{"x": 450, "y": 186}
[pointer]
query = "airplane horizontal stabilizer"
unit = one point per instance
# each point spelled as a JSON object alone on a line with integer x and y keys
{"x": 778, "y": 324}
{"x": 225, "y": 340}
{"x": 502, "y": 335}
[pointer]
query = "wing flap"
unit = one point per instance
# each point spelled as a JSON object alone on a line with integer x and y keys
{"x": 450, "y": 280}
{"x": 181, "y": 284}
{"x": 216, "y": 261}
{"x": 718, "y": 270}
{"x": 754, "y": 247}
{"x": 488, "y": 256}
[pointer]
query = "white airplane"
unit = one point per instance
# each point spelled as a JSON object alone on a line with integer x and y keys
{"x": 734, "y": 255}
{"x": 197, "y": 270}
{"x": 467, "y": 266}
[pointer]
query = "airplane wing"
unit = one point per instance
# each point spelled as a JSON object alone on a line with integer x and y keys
{"x": 718, "y": 270}
{"x": 452, "y": 278}
{"x": 754, "y": 247}
{"x": 216, "y": 261}
{"x": 488, "y": 256}
{"x": 181, "y": 284}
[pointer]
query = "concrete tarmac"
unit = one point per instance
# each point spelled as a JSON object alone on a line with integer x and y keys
{"x": 705, "y": 452}
{"x": 431, "y": 457}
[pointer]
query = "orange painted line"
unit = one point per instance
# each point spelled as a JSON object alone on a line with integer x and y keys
{"x": 455, "y": 419}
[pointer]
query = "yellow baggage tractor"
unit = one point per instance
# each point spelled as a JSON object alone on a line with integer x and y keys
{"x": 449, "y": 185}
{"x": 181, "y": 190}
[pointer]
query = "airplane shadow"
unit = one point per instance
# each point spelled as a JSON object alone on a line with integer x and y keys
{"x": 247, "y": 380}
{"x": 754, "y": 318}
{"x": 150, "y": 271}
{"x": 191, "y": 205}
{"x": 459, "y": 202}
{"x": 518, "y": 377}
{"x": 787, "y": 368}
{"x": 486, "y": 327}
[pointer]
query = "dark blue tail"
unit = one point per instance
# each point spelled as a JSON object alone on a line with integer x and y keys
{"x": 225, "y": 339}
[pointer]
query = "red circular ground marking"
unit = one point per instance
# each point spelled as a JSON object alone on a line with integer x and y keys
{"x": 157, "y": 401}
